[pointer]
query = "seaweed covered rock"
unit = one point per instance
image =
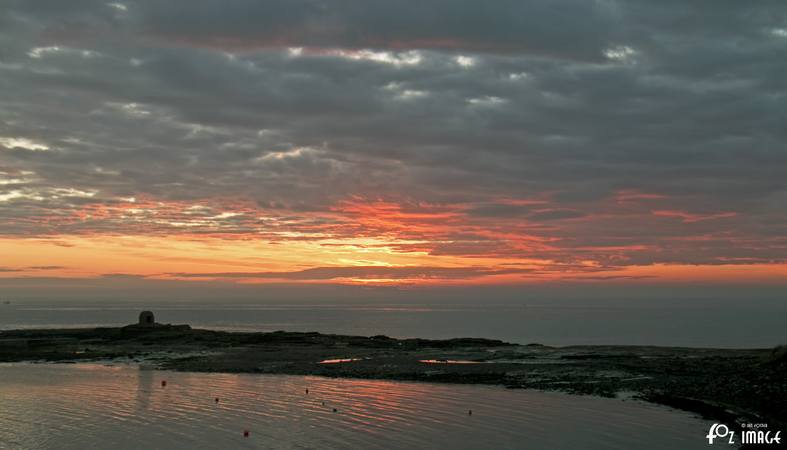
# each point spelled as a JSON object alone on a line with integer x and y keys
{"x": 778, "y": 355}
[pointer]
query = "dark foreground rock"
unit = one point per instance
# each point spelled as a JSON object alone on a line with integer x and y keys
{"x": 720, "y": 384}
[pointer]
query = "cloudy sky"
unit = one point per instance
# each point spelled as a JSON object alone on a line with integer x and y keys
{"x": 379, "y": 143}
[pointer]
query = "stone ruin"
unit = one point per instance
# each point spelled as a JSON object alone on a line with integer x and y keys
{"x": 146, "y": 319}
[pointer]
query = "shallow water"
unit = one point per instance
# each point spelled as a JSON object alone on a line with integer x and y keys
{"x": 91, "y": 406}
{"x": 671, "y": 323}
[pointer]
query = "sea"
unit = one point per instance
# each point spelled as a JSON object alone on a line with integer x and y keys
{"x": 745, "y": 323}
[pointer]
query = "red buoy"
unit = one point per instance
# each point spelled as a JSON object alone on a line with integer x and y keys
{"x": 245, "y": 433}
{"x": 217, "y": 399}
{"x": 163, "y": 383}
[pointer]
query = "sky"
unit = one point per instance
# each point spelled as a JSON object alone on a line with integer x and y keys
{"x": 384, "y": 144}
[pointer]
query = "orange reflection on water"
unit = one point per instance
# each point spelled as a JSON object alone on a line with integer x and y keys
{"x": 448, "y": 361}
{"x": 337, "y": 361}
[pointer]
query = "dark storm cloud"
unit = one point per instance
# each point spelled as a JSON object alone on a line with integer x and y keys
{"x": 445, "y": 102}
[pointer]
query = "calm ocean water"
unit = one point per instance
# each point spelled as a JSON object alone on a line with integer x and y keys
{"x": 676, "y": 323}
{"x": 90, "y": 406}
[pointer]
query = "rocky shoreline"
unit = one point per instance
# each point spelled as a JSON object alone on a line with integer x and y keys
{"x": 720, "y": 384}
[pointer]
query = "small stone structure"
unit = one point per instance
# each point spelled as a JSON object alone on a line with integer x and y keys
{"x": 147, "y": 324}
{"x": 146, "y": 319}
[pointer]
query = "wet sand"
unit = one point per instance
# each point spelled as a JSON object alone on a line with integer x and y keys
{"x": 719, "y": 384}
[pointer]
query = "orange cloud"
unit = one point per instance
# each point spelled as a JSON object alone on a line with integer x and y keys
{"x": 385, "y": 241}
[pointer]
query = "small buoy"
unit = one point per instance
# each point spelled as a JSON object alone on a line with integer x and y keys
{"x": 307, "y": 392}
{"x": 469, "y": 412}
{"x": 217, "y": 399}
{"x": 323, "y": 403}
{"x": 163, "y": 383}
{"x": 245, "y": 433}
{"x": 335, "y": 410}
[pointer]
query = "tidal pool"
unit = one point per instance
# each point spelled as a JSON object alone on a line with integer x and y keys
{"x": 94, "y": 406}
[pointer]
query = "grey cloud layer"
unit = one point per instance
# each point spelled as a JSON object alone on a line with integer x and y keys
{"x": 570, "y": 102}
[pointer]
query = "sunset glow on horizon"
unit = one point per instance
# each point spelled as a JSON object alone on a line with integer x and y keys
{"x": 370, "y": 242}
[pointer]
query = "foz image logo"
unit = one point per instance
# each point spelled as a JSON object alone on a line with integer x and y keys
{"x": 719, "y": 430}
{"x": 750, "y": 434}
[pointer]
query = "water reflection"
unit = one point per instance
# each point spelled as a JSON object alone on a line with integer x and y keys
{"x": 144, "y": 387}
{"x": 83, "y": 406}
{"x": 338, "y": 360}
{"x": 448, "y": 361}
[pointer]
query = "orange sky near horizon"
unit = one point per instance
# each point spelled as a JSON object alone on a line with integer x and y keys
{"x": 370, "y": 243}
